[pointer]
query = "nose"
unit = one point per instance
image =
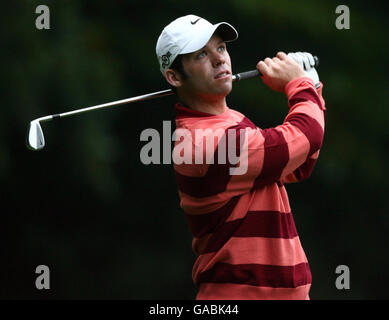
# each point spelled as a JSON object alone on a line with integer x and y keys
{"x": 218, "y": 59}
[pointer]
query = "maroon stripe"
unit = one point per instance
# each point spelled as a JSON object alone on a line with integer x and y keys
{"x": 202, "y": 224}
{"x": 214, "y": 182}
{"x": 308, "y": 94}
{"x": 280, "y": 184}
{"x": 305, "y": 170}
{"x": 218, "y": 175}
{"x": 266, "y": 224}
{"x": 258, "y": 275}
{"x": 246, "y": 123}
{"x": 311, "y": 129}
{"x": 276, "y": 156}
{"x": 183, "y": 112}
{"x": 221, "y": 236}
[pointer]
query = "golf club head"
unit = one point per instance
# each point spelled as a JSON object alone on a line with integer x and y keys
{"x": 35, "y": 138}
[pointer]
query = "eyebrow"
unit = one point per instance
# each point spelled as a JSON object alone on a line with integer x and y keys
{"x": 221, "y": 41}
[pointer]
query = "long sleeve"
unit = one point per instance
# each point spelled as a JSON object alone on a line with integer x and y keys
{"x": 283, "y": 153}
{"x": 304, "y": 171}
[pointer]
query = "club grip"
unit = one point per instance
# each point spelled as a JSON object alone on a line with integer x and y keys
{"x": 256, "y": 73}
{"x": 246, "y": 75}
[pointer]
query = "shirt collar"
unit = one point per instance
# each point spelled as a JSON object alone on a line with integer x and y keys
{"x": 183, "y": 112}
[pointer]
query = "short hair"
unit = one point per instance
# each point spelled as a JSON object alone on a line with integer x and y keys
{"x": 178, "y": 66}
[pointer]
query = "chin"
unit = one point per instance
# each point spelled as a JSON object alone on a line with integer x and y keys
{"x": 225, "y": 89}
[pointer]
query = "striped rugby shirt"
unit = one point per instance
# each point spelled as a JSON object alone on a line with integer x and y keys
{"x": 244, "y": 234}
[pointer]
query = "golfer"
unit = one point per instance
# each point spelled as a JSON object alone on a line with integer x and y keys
{"x": 244, "y": 235}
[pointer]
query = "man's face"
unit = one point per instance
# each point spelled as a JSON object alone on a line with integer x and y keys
{"x": 208, "y": 70}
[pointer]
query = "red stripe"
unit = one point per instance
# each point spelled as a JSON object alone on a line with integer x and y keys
{"x": 214, "y": 182}
{"x": 233, "y": 291}
{"x": 276, "y": 156}
{"x": 202, "y": 224}
{"x": 311, "y": 129}
{"x": 305, "y": 170}
{"x": 280, "y": 184}
{"x": 308, "y": 94}
{"x": 246, "y": 123}
{"x": 309, "y": 126}
{"x": 266, "y": 224}
{"x": 216, "y": 179}
{"x": 258, "y": 275}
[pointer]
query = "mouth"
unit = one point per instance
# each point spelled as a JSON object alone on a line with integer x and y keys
{"x": 223, "y": 75}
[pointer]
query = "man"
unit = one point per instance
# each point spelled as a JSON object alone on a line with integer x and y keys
{"x": 242, "y": 225}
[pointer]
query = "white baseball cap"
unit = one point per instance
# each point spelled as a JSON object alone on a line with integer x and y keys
{"x": 188, "y": 34}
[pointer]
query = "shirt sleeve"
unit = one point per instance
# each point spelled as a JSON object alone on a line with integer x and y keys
{"x": 305, "y": 170}
{"x": 288, "y": 152}
{"x": 265, "y": 156}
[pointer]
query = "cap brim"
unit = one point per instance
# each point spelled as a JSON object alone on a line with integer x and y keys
{"x": 226, "y": 31}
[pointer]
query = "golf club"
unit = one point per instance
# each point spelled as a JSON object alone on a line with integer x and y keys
{"x": 36, "y": 140}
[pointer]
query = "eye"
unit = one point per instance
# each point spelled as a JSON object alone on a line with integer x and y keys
{"x": 202, "y": 54}
{"x": 222, "y": 48}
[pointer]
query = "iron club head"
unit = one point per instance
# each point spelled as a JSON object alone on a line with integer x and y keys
{"x": 35, "y": 138}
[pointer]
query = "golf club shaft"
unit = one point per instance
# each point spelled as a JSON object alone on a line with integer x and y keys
{"x": 237, "y": 77}
{"x": 144, "y": 97}
{"x": 149, "y": 96}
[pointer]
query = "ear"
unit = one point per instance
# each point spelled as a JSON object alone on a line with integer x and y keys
{"x": 173, "y": 77}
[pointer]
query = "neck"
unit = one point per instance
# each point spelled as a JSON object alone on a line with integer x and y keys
{"x": 204, "y": 103}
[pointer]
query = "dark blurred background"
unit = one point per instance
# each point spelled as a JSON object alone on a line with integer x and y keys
{"x": 109, "y": 227}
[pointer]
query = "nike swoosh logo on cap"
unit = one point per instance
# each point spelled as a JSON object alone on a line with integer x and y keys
{"x": 194, "y": 22}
